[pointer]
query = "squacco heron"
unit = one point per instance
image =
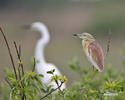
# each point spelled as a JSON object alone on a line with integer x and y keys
{"x": 92, "y": 50}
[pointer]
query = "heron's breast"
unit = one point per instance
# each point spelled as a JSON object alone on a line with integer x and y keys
{"x": 85, "y": 44}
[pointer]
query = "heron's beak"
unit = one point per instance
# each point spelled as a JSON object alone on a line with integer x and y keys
{"x": 79, "y": 35}
{"x": 26, "y": 27}
{"x": 74, "y": 34}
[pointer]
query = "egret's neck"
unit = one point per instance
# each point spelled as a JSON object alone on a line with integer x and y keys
{"x": 39, "y": 52}
{"x": 44, "y": 33}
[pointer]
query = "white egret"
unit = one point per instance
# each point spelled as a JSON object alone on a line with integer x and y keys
{"x": 42, "y": 66}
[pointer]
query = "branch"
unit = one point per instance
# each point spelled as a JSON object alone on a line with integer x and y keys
{"x": 19, "y": 59}
{"x": 20, "y": 50}
{"x": 8, "y": 82}
{"x": 12, "y": 61}
{"x": 19, "y": 55}
{"x": 23, "y": 96}
{"x": 52, "y": 91}
{"x": 59, "y": 88}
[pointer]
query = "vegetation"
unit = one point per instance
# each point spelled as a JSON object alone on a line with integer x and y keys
{"x": 26, "y": 85}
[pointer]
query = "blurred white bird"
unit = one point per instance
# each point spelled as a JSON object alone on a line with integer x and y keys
{"x": 41, "y": 65}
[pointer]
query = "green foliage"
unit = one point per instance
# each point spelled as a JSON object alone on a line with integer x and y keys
{"x": 97, "y": 86}
{"x": 33, "y": 88}
{"x": 93, "y": 86}
{"x": 58, "y": 77}
{"x": 31, "y": 85}
{"x": 74, "y": 64}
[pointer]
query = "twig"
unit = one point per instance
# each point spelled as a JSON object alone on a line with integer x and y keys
{"x": 34, "y": 64}
{"x": 20, "y": 50}
{"x": 52, "y": 91}
{"x": 19, "y": 56}
{"x": 19, "y": 73}
{"x": 23, "y": 96}
{"x": 12, "y": 61}
{"x": 8, "y": 82}
{"x": 108, "y": 44}
{"x": 59, "y": 88}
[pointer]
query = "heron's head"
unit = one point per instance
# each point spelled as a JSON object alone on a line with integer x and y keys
{"x": 85, "y": 36}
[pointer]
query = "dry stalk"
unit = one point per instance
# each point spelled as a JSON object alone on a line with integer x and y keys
{"x": 108, "y": 44}
{"x": 10, "y": 54}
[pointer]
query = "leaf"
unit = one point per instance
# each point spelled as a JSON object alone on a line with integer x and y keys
{"x": 51, "y": 71}
{"x": 64, "y": 78}
{"x": 107, "y": 84}
{"x": 20, "y": 63}
{"x": 52, "y": 78}
{"x": 30, "y": 73}
{"x": 60, "y": 78}
{"x": 41, "y": 75}
{"x": 38, "y": 80}
{"x": 43, "y": 90}
{"x": 49, "y": 88}
{"x": 12, "y": 79}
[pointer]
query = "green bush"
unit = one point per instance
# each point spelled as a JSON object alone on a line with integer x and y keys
{"x": 93, "y": 85}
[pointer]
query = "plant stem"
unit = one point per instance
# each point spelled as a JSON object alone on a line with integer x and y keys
{"x": 12, "y": 61}
{"x": 19, "y": 56}
{"x": 108, "y": 44}
{"x": 8, "y": 82}
{"x": 59, "y": 88}
{"x": 23, "y": 96}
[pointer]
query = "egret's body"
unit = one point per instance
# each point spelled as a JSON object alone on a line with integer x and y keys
{"x": 41, "y": 65}
{"x": 92, "y": 50}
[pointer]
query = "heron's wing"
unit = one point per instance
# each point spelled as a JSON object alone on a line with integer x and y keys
{"x": 97, "y": 54}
